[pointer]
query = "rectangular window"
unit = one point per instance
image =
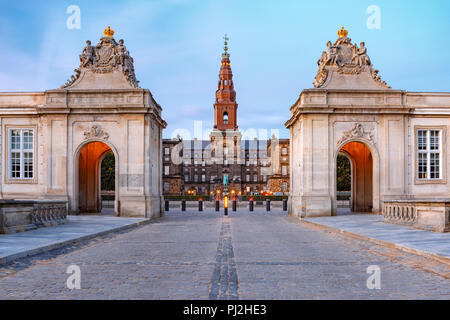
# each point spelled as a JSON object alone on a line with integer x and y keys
{"x": 429, "y": 154}
{"x": 247, "y": 178}
{"x": 203, "y": 178}
{"x": 21, "y": 154}
{"x": 166, "y": 170}
{"x": 284, "y": 186}
{"x": 255, "y": 178}
{"x": 186, "y": 178}
{"x": 283, "y": 151}
{"x": 166, "y": 151}
{"x": 284, "y": 170}
{"x": 166, "y": 186}
{"x": 264, "y": 178}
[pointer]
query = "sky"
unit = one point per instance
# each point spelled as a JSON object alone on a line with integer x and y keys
{"x": 177, "y": 46}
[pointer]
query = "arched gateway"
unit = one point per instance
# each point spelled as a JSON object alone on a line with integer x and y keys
{"x": 395, "y": 140}
{"x": 100, "y": 109}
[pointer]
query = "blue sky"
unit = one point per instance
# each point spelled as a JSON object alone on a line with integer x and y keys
{"x": 177, "y": 46}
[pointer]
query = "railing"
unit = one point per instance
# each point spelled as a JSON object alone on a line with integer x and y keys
{"x": 49, "y": 213}
{"x": 427, "y": 214}
{"x": 400, "y": 213}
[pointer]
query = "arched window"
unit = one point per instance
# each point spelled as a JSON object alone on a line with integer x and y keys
{"x": 225, "y": 117}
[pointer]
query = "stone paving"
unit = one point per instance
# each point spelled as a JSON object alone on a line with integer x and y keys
{"x": 372, "y": 226}
{"x": 17, "y": 245}
{"x": 203, "y": 255}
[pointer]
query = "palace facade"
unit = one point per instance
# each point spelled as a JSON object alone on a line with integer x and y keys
{"x": 250, "y": 166}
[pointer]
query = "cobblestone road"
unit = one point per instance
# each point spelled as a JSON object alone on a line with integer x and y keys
{"x": 195, "y": 255}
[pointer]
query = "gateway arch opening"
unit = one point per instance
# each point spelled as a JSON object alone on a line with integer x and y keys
{"x": 360, "y": 176}
{"x": 96, "y": 178}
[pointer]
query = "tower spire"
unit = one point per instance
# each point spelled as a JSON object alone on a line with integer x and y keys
{"x": 225, "y": 107}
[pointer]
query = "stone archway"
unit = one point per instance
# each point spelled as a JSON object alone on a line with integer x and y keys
{"x": 88, "y": 179}
{"x": 362, "y": 175}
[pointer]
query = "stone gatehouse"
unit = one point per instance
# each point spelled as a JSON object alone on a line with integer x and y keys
{"x": 52, "y": 142}
{"x": 397, "y": 143}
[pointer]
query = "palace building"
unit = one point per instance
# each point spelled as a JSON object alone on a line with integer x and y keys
{"x": 250, "y": 166}
{"x": 397, "y": 143}
{"x": 53, "y": 142}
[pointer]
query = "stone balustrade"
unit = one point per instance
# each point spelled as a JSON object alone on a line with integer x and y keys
{"x": 24, "y": 215}
{"x": 429, "y": 214}
{"x": 49, "y": 213}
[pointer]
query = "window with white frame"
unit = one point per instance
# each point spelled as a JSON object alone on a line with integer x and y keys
{"x": 284, "y": 170}
{"x": 21, "y": 154}
{"x": 166, "y": 186}
{"x": 203, "y": 178}
{"x": 284, "y": 186}
{"x": 429, "y": 154}
{"x": 166, "y": 170}
{"x": 166, "y": 151}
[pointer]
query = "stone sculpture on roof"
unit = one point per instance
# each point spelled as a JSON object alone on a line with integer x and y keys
{"x": 106, "y": 57}
{"x": 345, "y": 65}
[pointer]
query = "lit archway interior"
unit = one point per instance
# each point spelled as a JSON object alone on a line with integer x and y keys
{"x": 89, "y": 161}
{"x": 362, "y": 175}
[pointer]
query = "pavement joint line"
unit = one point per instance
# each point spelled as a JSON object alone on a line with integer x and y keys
{"x": 421, "y": 253}
{"x": 43, "y": 249}
{"x": 224, "y": 282}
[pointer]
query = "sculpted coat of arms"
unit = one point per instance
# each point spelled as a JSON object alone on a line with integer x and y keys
{"x": 105, "y": 57}
{"x": 345, "y": 58}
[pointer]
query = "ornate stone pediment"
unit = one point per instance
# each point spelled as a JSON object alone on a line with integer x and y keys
{"x": 106, "y": 57}
{"x": 96, "y": 132}
{"x": 357, "y": 131}
{"x": 350, "y": 63}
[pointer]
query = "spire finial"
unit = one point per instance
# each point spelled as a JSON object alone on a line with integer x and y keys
{"x": 225, "y": 48}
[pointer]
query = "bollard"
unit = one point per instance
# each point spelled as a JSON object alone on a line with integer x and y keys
{"x": 166, "y": 205}
{"x": 267, "y": 204}
{"x": 200, "y": 204}
{"x": 234, "y": 204}
{"x": 183, "y": 205}
{"x": 285, "y": 203}
{"x": 217, "y": 204}
{"x": 225, "y": 205}
{"x": 250, "y": 204}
